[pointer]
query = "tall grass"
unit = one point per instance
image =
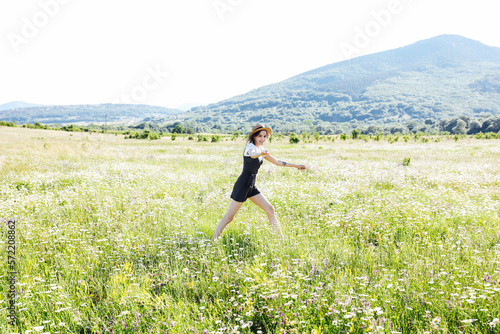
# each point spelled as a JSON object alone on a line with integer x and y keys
{"x": 113, "y": 236}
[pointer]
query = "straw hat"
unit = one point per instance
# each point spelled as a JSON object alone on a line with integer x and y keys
{"x": 259, "y": 128}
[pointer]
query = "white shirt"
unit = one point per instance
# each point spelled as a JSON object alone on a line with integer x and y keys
{"x": 251, "y": 146}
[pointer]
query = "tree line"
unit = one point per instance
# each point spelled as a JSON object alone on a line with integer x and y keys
{"x": 462, "y": 125}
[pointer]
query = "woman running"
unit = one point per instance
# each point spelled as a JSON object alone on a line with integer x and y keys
{"x": 245, "y": 184}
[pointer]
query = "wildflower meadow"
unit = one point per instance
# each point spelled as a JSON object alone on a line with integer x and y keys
{"x": 112, "y": 235}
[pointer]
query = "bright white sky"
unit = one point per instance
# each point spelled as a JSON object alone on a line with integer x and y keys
{"x": 95, "y": 51}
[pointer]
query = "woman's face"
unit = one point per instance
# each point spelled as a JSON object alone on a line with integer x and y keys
{"x": 260, "y": 138}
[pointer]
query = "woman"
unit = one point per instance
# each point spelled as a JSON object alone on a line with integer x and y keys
{"x": 245, "y": 185}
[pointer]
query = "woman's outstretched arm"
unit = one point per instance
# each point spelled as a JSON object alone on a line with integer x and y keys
{"x": 254, "y": 154}
{"x": 277, "y": 162}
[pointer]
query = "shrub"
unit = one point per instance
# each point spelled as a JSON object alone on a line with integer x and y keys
{"x": 355, "y": 134}
{"x": 406, "y": 162}
{"x": 131, "y": 135}
{"x": 144, "y": 135}
{"x": 215, "y": 138}
{"x": 153, "y": 136}
{"x": 293, "y": 138}
{"x": 71, "y": 128}
{"x": 489, "y": 135}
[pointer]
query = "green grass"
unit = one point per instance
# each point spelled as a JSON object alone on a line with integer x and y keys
{"x": 113, "y": 236}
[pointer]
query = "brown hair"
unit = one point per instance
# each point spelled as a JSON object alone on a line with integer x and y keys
{"x": 254, "y": 133}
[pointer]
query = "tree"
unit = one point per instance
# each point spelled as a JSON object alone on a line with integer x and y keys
{"x": 474, "y": 127}
{"x": 178, "y": 129}
{"x": 398, "y": 128}
{"x": 372, "y": 130}
{"x": 412, "y": 126}
{"x": 460, "y": 127}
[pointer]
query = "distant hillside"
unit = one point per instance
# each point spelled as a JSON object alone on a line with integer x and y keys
{"x": 89, "y": 113}
{"x": 433, "y": 79}
{"x": 17, "y": 104}
{"x": 187, "y": 106}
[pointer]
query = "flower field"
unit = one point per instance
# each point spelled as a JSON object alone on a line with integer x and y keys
{"x": 113, "y": 236}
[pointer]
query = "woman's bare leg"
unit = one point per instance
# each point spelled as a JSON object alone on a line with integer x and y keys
{"x": 264, "y": 204}
{"x": 228, "y": 217}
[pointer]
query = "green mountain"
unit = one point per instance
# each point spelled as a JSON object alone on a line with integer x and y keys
{"x": 87, "y": 113}
{"x": 425, "y": 82}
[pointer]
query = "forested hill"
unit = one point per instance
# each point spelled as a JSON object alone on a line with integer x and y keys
{"x": 433, "y": 79}
{"x": 16, "y": 104}
{"x": 87, "y": 113}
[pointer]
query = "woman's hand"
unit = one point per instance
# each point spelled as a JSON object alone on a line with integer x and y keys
{"x": 264, "y": 152}
{"x": 301, "y": 167}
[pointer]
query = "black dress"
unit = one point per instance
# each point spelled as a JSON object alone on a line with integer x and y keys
{"x": 245, "y": 184}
